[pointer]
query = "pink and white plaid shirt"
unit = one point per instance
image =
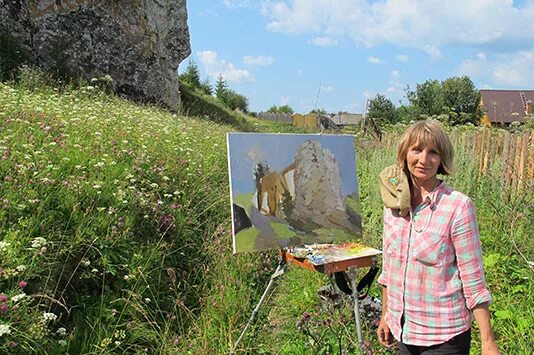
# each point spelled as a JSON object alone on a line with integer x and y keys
{"x": 432, "y": 268}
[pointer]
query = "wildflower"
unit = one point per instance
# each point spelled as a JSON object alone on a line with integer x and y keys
{"x": 39, "y": 242}
{"x": 48, "y": 316}
{"x": 62, "y": 342}
{"x": 61, "y": 332}
{"x": 147, "y": 300}
{"x": 4, "y": 329}
{"x": 3, "y": 298}
{"x": 85, "y": 262}
{"x": 11, "y": 344}
{"x": 23, "y": 284}
{"x": 4, "y": 246}
{"x": 4, "y": 308}
{"x": 18, "y": 297}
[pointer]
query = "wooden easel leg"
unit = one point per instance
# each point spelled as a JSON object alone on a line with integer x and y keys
{"x": 353, "y": 274}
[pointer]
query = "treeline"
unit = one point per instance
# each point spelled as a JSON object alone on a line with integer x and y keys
{"x": 227, "y": 96}
{"x": 455, "y": 101}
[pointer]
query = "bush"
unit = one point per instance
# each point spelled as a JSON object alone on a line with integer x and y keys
{"x": 197, "y": 104}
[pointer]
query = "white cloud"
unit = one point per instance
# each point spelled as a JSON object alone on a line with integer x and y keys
{"x": 433, "y": 52}
{"x": 395, "y": 74}
{"x": 407, "y": 23}
{"x": 284, "y": 100}
{"x": 324, "y": 41}
{"x": 402, "y": 58}
{"x": 367, "y": 94}
{"x": 215, "y": 67}
{"x": 259, "y": 60}
{"x": 375, "y": 60}
{"x": 236, "y": 3}
{"x": 327, "y": 88}
{"x": 511, "y": 69}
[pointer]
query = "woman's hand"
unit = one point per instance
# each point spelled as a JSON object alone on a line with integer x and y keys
{"x": 489, "y": 347}
{"x": 384, "y": 334}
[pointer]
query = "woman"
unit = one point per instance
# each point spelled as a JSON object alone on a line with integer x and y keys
{"x": 432, "y": 264}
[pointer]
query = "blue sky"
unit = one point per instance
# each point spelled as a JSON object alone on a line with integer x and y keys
{"x": 246, "y": 149}
{"x": 335, "y": 54}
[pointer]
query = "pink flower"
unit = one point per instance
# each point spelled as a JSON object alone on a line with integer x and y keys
{"x": 23, "y": 284}
{"x": 3, "y": 298}
{"x": 4, "y": 308}
{"x": 11, "y": 344}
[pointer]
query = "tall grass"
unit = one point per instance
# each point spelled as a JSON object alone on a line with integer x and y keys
{"x": 108, "y": 215}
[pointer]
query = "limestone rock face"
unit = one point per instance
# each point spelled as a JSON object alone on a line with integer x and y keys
{"x": 318, "y": 199}
{"x": 138, "y": 43}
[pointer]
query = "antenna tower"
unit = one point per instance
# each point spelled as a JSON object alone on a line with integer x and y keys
{"x": 318, "y": 93}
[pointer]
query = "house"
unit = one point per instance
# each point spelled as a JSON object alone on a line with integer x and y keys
{"x": 502, "y": 107}
{"x": 343, "y": 119}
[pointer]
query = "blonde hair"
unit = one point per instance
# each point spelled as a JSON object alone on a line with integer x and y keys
{"x": 428, "y": 132}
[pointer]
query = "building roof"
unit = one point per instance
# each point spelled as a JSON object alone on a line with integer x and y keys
{"x": 506, "y": 106}
{"x": 347, "y": 118}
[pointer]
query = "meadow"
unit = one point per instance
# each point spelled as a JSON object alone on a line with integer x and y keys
{"x": 115, "y": 236}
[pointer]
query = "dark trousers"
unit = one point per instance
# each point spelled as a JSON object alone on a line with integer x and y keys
{"x": 459, "y": 345}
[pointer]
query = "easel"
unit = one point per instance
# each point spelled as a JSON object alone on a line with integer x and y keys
{"x": 351, "y": 266}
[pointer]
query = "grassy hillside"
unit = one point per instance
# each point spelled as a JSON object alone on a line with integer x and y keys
{"x": 114, "y": 218}
{"x": 115, "y": 235}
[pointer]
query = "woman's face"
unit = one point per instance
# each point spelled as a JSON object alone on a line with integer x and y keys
{"x": 423, "y": 161}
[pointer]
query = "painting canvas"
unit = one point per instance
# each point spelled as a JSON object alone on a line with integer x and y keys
{"x": 292, "y": 189}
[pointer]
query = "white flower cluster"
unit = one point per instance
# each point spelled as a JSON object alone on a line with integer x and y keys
{"x": 49, "y": 316}
{"x": 39, "y": 242}
{"x": 4, "y": 329}
{"x": 4, "y": 246}
{"x": 18, "y": 297}
{"x": 61, "y": 332}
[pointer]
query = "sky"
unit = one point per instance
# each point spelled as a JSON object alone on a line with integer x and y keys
{"x": 246, "y": 149}
{"x": 337, "y": 54}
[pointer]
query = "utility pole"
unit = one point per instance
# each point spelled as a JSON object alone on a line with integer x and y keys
{"x": 318, "y": 93}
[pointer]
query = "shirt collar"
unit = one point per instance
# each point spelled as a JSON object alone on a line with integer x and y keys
{"x": 433, "y": 196}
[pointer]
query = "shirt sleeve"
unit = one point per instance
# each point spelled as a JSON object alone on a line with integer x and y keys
{"x": 383, "y": 279}
{"x": 466, "y": 240}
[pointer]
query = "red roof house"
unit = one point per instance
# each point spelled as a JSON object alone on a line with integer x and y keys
{"x": 502, "y": 107}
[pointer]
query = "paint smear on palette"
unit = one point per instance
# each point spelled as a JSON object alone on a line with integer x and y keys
{"x": 320, "y": 254}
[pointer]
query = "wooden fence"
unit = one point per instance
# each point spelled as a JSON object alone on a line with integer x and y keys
{"x": 512, "y": 154}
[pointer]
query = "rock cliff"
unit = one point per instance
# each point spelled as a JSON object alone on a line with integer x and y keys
{"x": 318, "y": 199}
{"x": 139, "y": 43}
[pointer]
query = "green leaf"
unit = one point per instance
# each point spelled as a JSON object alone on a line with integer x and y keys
{"x": 503, "y": 314}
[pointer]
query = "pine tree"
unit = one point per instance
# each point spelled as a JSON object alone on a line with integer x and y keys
{"x": 221, "y": 89}
{"x": 191, "y": 75}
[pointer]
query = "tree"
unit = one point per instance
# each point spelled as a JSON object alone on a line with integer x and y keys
{"x": 191, "y": 75}
{"x": 382, "y": 110}
{"x": 427, "y": 98}
{"x": 260, "y": 170}
{"x": 462, "y": 100}
{"x": 205, "y": 87}
{"x": 221, "y": 88}
{"x": 281, "y": 109}
{"x": 235, "y": 101}
{"x": 455, "y": 98}
{"x": 319, "y": 111}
